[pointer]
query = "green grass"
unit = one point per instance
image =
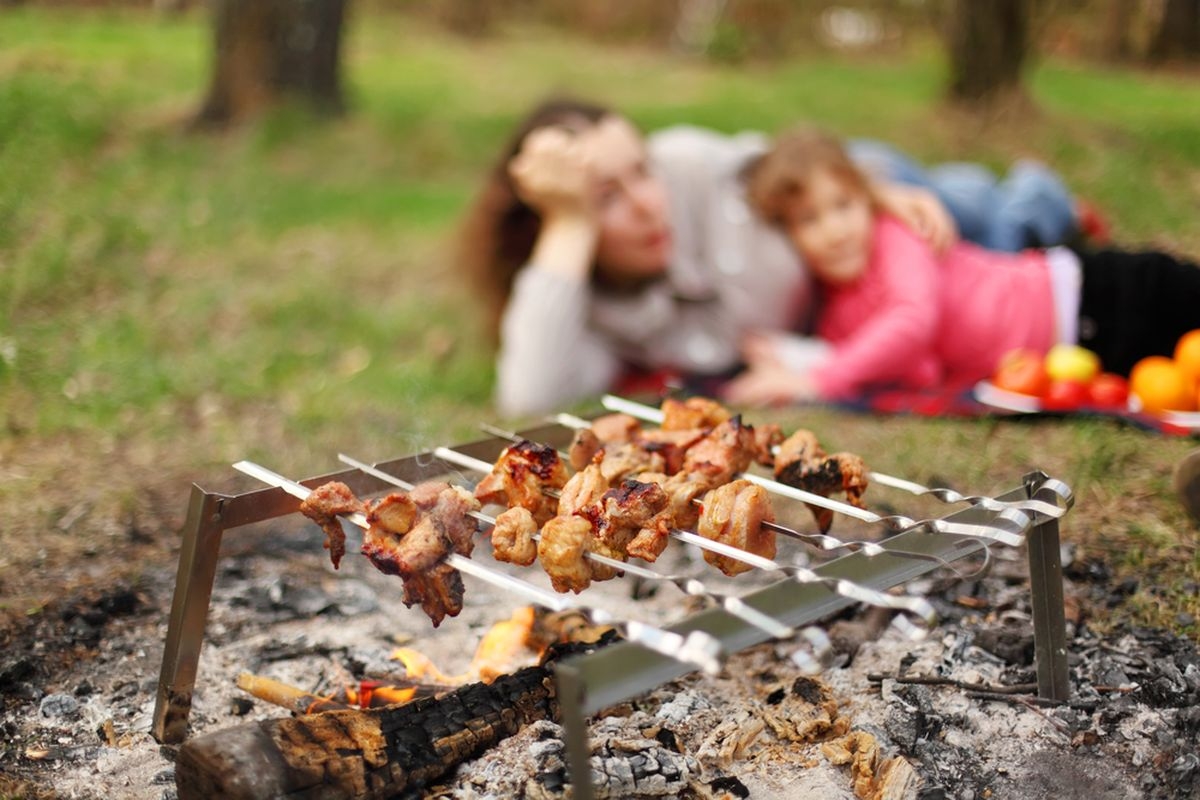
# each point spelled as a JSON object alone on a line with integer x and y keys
{"x": 171, "y": 301}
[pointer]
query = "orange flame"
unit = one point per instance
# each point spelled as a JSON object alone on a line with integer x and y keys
{"x": 503, "y": 649}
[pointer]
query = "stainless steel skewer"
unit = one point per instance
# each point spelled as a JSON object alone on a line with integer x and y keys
{"x": 1008, "y": 527}
{"x": 650, "y": 414}
{"x": 691, "y": 586}
{"x": 697, "y": 649}
{"x": 917, "y": 606}
{"x": 821, "y": 540}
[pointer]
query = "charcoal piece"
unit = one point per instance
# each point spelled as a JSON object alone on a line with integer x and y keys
{"x": 731, "y": 785}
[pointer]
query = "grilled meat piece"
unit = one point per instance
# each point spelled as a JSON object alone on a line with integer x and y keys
{"x": 561, "y": 551}
{"x": 584, "y": 447}
{"x": 401, "y": 540}
{"x": 734, "y": 515}
{"x": 671, "y": 445}
{"x": 452, "y": 511}
{"x": 323, "y": 506}
{"x": 624, "y": 512}
{"x": 521, "y": 476}
{"x": 766, "y": 439}
{"x": 683, "y": 491}
{"x": 512, "y": 537}
{"x": 411, "y": 534}
{"x": 726, "y": 451}
{"x": 438, "y": 591}
{"x": 628, "y": 458}
{"x": 694, "y": 412}
{"x": 802, "y": 445}
{"x": 614, "y": 428}
{"x": 803, "y": 463}
{"x": 582, "y": 490}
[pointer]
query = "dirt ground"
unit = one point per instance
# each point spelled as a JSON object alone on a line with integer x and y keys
{"x": 86, "y": 602}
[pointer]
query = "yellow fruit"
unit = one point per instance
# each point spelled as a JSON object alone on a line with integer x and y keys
{"x": 1162, "y": 385}
{"x": 1187, "y": 354}
{"x": 1070, "y": 362}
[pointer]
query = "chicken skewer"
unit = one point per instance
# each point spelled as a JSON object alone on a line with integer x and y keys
{"x": 916, "y": 606}
{"x": 697, "y": 649}
{"x": 733, "y": 605}
{"x": 1007, "y": 528}
{"x": 822, "y": 540}
{"x": 651, "y": 414}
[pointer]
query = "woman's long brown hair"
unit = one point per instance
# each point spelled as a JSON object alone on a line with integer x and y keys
{"x": 498, "y": 232}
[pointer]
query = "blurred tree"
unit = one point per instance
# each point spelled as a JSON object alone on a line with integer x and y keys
{"x": 1178, "y": 32}
{"x": 266, "y": 50}
{"x": 1118, "y": 27}
{"x": 988, "y": 41}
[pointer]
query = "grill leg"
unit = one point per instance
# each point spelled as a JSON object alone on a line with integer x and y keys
{"x": 189, "y": 614}
{"x": 570, "y": 691}
{"x": 1046, "y": 597}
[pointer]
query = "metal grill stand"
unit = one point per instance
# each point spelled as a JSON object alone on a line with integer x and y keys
{"x": 588, "y": 684}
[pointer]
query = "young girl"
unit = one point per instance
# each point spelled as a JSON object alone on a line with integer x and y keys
{"x": 895, "y": 314}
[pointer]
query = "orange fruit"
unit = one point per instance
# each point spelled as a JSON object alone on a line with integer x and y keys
{"x": 1187, "y": 354}
{"x": 1162, "y": 385}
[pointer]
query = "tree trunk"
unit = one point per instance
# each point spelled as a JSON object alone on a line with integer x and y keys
{"x": 269, "y": 50}
{"x": 1179, "y": 32}
{"x": 1118, "y": 25}
{"x": 988, "y": 41}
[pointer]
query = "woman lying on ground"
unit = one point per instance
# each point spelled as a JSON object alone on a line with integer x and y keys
{"x": 600, "y": 252}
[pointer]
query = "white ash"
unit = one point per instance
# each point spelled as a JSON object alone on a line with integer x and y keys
{"x": 532, "y": 765}
{"x": 743, "y": 728}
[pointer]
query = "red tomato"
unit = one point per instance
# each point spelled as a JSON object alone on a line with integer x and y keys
{"x": 1022, "y": 371}
{"x": 1064, "y": 395}
{"x": 1108, "y": 390}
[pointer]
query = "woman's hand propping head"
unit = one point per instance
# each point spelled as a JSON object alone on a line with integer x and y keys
{"x": 599, "y": 176}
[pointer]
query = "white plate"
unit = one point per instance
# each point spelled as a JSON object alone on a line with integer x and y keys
{"x": 989, "y": 394}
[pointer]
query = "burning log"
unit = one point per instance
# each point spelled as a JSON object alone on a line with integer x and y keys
{"x": 377, "y": 752}
{"x": 363, "y": 754}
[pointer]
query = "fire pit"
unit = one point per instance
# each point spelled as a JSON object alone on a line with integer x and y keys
{"x": 650, "y": 656}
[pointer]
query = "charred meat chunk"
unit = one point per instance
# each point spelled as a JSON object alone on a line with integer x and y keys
{"x": 411, "y": 534}
{"x": 623, "y": 511}
{"x": 439, "y": 592}
{"x": 521, "y": 476}
{"x": 802, "y": 462}
{"x": 323, "y": 506}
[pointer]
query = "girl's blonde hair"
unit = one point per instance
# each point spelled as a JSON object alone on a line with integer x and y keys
{"x": 777, "y": 179}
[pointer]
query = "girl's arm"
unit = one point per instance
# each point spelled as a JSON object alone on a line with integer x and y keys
{"x": 770, "y": 384}
{"x": 894, "y": 342}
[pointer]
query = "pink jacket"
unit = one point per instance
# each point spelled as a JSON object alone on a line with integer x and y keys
{"x": 915, "y": 320}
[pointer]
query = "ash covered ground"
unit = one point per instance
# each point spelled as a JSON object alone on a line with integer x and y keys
{"x": 79, "y": 685}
